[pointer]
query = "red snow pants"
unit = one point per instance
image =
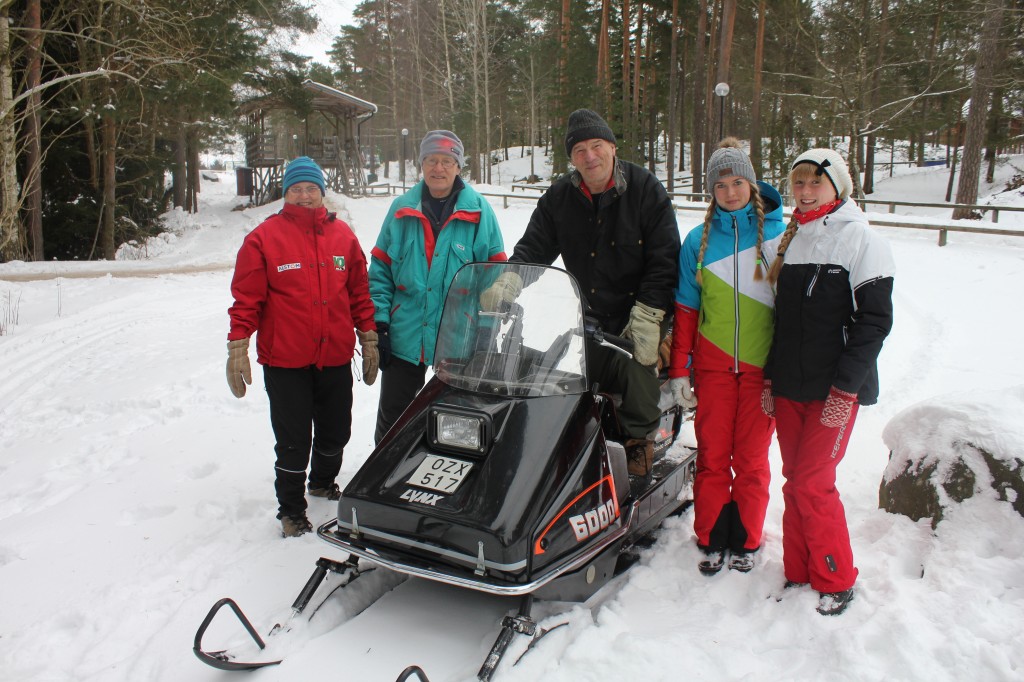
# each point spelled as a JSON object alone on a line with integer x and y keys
{"x": 815, "y": 540}
{"x": 730, "y": 490}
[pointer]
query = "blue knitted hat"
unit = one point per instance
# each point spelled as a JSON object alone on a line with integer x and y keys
{"x": 303, "y": 169}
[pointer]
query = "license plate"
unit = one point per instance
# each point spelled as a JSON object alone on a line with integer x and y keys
{"x": 443, "y": 474}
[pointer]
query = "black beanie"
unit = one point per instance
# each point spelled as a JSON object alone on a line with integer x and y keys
{"x": 585, "y": 124}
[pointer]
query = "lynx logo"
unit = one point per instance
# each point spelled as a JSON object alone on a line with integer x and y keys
{"x": 339, "y": 262}
{"x": 422, "y": 498}
{"x": 289, "y": 266}
{"x": 591, "y": 522}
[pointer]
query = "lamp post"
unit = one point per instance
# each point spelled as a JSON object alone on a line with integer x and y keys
{"x": 405, "y": 137}
{"x": 722, "y": 89}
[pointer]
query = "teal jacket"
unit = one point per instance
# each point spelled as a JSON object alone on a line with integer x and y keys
{"x": 410, "y": 272}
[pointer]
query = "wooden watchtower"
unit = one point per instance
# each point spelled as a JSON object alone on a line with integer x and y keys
{"x": 329, "y": 135}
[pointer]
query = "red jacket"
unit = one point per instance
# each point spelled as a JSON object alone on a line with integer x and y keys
{"x": 300, "y": 283}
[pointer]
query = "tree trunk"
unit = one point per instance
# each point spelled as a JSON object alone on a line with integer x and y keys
{"x": 108, "y": 150}
{"x": 726, "y": 26}
{"x": 755, "y": 106}
{"x": 560, "y": 162}
{"x": 486, "y": 56}
{"x": 627, "y": 137}
{"x": 670, "y": 114}
{"x": 449, "y": 81}
{"x": 992, "y": 146}
{"x": 635, "y": 122}
{"x": 178, "y": 174}
{"x": 875, "y": 96}
{"x": 12, "y": 246}
{"x": 194, "y": 173}
{"x": 710, "y": 129}
{"x": 33, "y": 150}
{"x": 699, "y": 102}
{"x": 981, "y": 88}
{"x": 604, "y": 69}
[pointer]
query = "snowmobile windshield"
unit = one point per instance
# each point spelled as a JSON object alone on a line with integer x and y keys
{"x": 512, "y": 329}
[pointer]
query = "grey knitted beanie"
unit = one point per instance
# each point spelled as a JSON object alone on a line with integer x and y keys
{"x": 443, "y": 142}
{"x": 729, "y": 160}
{"x": 585, "y": 124}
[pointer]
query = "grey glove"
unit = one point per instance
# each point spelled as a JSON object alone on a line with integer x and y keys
{"x": 644, "y": 329}
{"x": 506, "y": 289}
{"x": 239, "y": 370}
{"x": 682, "y": 393}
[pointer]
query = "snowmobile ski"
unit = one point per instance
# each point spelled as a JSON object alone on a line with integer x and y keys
{"x": 224, "y": 660}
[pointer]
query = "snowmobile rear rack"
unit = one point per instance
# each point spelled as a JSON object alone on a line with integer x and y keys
{"x": 225, "y": 661}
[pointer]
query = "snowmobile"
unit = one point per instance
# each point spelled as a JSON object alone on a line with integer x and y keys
{"x": 507, "y": 473}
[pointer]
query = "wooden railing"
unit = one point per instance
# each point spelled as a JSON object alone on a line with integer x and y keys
{"x": 967, "y": 226}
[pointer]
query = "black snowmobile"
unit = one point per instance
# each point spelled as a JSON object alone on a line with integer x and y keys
{"x": 507, "y": 473}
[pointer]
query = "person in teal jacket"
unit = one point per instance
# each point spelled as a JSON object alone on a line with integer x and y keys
{"x": 724, "y": 316}
{"x": 430, "y": 232}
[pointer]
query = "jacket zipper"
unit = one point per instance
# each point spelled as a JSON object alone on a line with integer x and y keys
{"x": 814, "y": 280}
{"x": 736, "y": 295}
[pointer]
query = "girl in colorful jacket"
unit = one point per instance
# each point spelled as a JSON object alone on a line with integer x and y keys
{"x": 833, "y": 310}
{"x": 430, "y": 232}
{"x": 722, "y": 333}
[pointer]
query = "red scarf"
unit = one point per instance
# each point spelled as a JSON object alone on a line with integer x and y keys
{"x": 825, "y": 209}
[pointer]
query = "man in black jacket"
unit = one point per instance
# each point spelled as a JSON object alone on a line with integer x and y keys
{"x": 615, "y": 229}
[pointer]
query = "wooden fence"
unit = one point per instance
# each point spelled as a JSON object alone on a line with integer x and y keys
{"x": 968, "y": 227}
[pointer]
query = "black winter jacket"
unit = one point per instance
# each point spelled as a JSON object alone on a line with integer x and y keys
{"x": 623, "y": 251}
{"x": 833, "y": 309}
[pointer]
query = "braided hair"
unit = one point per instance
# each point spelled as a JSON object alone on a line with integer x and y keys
{"x": 755, "y": 197}
{"x": 802, "y": 171}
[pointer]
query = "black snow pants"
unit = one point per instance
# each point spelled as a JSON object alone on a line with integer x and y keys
{"x": 310, "y": 408}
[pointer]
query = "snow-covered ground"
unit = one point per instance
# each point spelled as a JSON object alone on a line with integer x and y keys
{"x": 137, "y": 491}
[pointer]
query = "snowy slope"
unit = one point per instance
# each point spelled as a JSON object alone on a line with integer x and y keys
{"x": 137, "y": 491}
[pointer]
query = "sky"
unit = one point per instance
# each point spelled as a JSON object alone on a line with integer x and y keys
{"x": 332, "y": 15}
{"x": 138, "y": 491}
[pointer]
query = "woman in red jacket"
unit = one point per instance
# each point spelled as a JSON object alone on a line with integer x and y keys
{"x": 300, "y": 284}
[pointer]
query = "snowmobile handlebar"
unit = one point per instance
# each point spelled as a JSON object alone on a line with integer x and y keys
{"x": 602, "y": 338}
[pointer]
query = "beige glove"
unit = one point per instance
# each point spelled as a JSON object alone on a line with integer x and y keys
{"x": 682, "y": 393}
{"x": 371, "y": 359}
{"x": 644, "y": 329}
{"x": 239, "y": 370}
{"x": 506, "y": 289}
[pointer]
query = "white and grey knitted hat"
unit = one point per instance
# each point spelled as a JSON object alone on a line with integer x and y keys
{"x": 831, "y": 164}
{"x": 729, "y": 160}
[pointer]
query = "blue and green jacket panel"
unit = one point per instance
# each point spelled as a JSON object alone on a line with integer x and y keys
{"x": 728, "y": 321}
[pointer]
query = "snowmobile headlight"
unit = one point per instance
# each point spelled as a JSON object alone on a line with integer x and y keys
{"x": 460, "y": 430}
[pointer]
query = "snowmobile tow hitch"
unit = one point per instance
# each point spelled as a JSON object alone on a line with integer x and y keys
{"x": 224, "y": 661}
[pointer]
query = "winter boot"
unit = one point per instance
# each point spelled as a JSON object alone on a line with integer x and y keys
{"x": 741, "y": 561}
{"x": 331, "y": 492}
{"x": 834, "y": 603}
{"x": 712, "y": 562}
{"x": 294, "y": 526}
{"x": 639, "y": 456}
